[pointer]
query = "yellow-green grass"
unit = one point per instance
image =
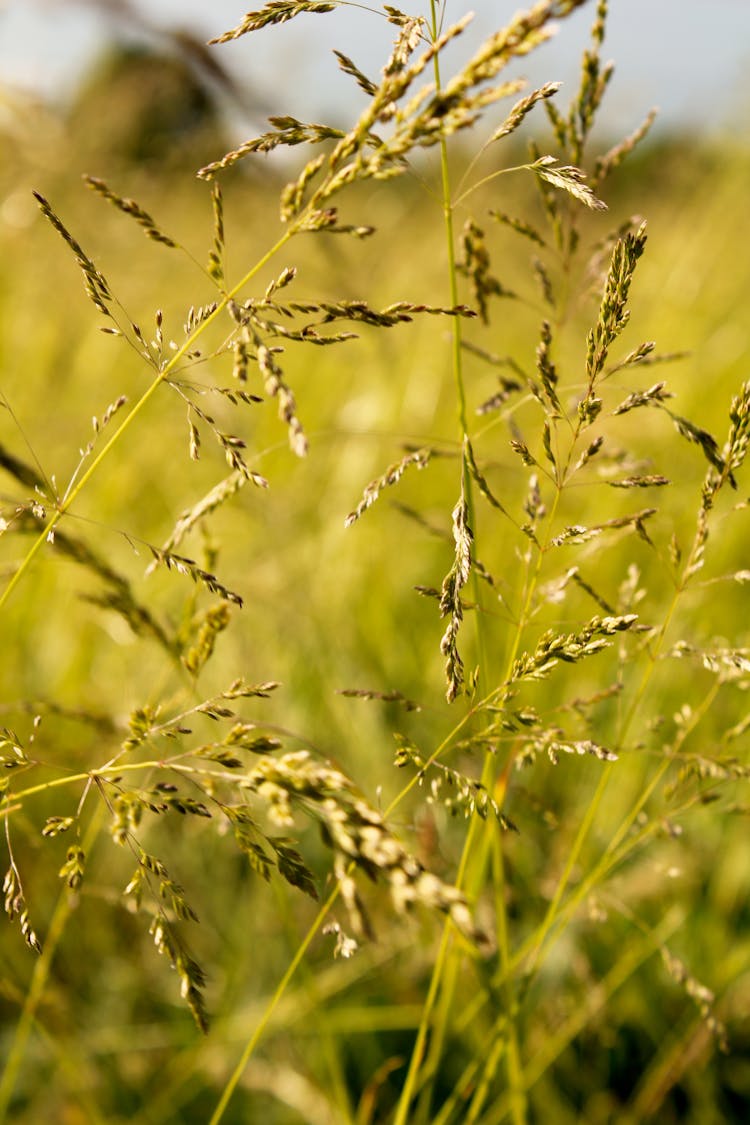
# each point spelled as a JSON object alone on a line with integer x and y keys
{"x": 328, "y": 608}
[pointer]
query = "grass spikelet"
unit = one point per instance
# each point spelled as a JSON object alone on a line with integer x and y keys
{"x": 191, "y": 976}
{"x": 95, "y": 283}
{"x": 287, "y": 131}
{"x": 393, "y": 474}
{"x": 241, "y": 358}
{"x": 651, "y": 480}
{"x": 196, "y": 316}
{"x": 410, "y": 33}
{"x": 703, "y": 997}
{"x": 286, "y": 277}
{"x": 214, "y": 621}
{"x": 480, "y": 480}
{"x": 544, "y": 281}
{"x": 191, "y": 569}
{"x": 552, "y": 742}
{"x": 216, "y": 254}
{"x": 361, "y": 79}
{"x": 567, "y": 178}
{"x": 15, "y": 907}
{"x": 595, "y": 79}
{"x": 98, "y": 425}
{"x": 278, "y": 388}
{"x": 476, "y": 266}
{"x": 130, "y": 207}
{"x": 735, "y": 450}
{"x": 451, "y": 604}
{"x": 546, "y": 369}
{"x": 590, "y": 451}
{"x": 526, "y": 230}
{"x": 569, "y": 647}
{"x": 195, "y": 440}
{"x": 611, "y": 160}
{"x": 72, "y": 871}
{"x": 450, "y": 788}
{"x": 213, "y": 500}
{"x": 657, "y": 393}
{"x": 382, "y": 696}
{"x": 274, "y": 12}
{"x": 522, "y": 108}
{"x": 358, "y": 834}
{"x": 613, "y": 314}
{"x": 702, "y": 438}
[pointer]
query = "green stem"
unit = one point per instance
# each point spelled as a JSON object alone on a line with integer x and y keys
{"x": 598, "y": 796}
{"x": 281, "y": 988}
{"x": 40, "y": 977}
{"x": 632, "y": 958}
{"x": 445, "y": 969}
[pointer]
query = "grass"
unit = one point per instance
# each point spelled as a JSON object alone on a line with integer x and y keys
{"x": 553, "y": 920}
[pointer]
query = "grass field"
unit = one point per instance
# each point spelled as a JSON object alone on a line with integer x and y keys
{"x": 599, "y": 614}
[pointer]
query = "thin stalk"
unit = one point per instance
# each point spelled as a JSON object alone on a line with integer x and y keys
{"x": 609, "y": 862}
{"x": 40, "y": 977}
{"x": 420, "y": 1045}
{"x": 471, "y": 877}
{"x": 449, "y": 971}
{"x": 505, "y": 1038}
{"x": 336, "y": 1079}
{"x": 598, "y": 796}
{"x": 252, "y": 1042}
{"x": 554, "y": 1045}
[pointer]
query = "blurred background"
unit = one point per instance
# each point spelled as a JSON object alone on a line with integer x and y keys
{"x": 687, "y": 57}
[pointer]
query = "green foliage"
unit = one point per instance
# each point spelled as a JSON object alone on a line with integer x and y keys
{"x": 567, "y": 699}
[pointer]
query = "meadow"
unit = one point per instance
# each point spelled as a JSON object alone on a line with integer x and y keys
{"x": 373, "y": 700}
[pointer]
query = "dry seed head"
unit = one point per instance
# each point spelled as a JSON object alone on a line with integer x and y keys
{"x": 190, "y": 568}
{"x": 656, "y": 394}
{"x": 420, "y": 458}
{"x": 361, "y": 79}
{"x": 567, "y": 178}
{"x": 613, "y": 314}
{"x": 481, "y": 482}
{"x": 450, "y": 599}
{"x": 274, "y": 12}
{"x": 702, "y": 438}
{"x": 288, "y": 131}
{"x": 476, "y": 266}
{"x": 410, "y": 34}
{"x": 612, "y": 159}
{"x": 653, "y": 480}
{"x": 277, "y": 388}
{"x": 522, "y": 108}
{"x": 569, "y": 647}
{"x": 739, "y": 429}
{"x": 545, "y": 283}
{"x": 130, "y": 207}
{"x": 519, "y": 226}
{"x": 94, "y": 282}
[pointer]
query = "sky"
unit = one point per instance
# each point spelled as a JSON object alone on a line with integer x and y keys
{"x": 689, "y": 58}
